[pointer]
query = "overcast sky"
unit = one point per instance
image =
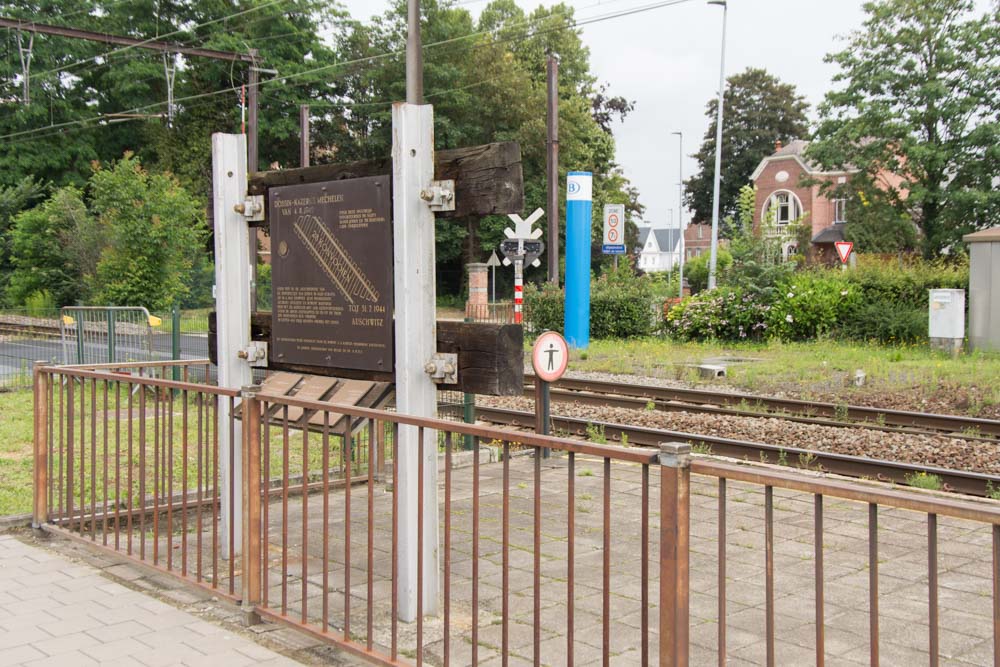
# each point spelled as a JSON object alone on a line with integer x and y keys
{"x": 667, "y": 61}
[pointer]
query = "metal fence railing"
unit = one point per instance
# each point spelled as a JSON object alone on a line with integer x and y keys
{"x": 90, "y": 335}
{"x": 586, "y": 555}
{"x": 106, "y": 334}
{"x": 27, "y": 336}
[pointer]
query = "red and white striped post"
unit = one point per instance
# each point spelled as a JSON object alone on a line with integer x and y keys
{"x": 518, "y": 290}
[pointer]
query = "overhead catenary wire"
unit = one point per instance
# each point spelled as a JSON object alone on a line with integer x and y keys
{"x": 374, "y": 58}
{"x": 122, "y": 49}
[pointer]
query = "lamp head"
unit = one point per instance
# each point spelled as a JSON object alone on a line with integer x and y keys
{"x": 721, "y": 3}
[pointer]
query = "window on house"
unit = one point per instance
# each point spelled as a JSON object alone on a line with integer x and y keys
{"x": 701, "y": 229}
{"x": 790, "y": 250}
{"x": 783, "y": 207}
{"x": 839, "y": 211}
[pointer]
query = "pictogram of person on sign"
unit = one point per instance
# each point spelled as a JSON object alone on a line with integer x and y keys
{"x": 552, "y": 352}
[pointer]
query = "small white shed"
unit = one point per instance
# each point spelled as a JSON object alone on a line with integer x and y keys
{"x": 984, "y": 289}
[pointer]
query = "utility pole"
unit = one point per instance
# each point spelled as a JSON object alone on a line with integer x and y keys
{"x": 680, "y": 208}
{"x": 718, "y": 149}
{"x": 252, "y": 154}
{"x": 416, "y": 337}
{"x": 252, "y": 166}
{"x": 552, "y": 165}
{"x": 304, "y": 135}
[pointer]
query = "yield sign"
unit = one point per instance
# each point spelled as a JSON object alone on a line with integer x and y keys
{"x": 844, "y": 249}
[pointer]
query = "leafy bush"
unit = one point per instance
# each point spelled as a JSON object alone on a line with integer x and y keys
{"x": 622, "y": 305}
{"x": 811, "y": 305}
{"x": 907, "y": 279}
{"x": 696, "y": 270}
{"x": 722, "y": 314}
{"x": 155, "y": 229}
{"x": 887, "y": 322}
{"x": 40, "y": 304}
{"x": 41, "y": 242}
{"x": 543, "y": 307}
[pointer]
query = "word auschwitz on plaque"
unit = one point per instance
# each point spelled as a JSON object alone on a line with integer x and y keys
{"x": 331, "y": 263}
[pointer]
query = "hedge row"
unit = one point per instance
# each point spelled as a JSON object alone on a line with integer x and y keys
{"x": 622, "y": 305}
{"x": 884, "y": 302}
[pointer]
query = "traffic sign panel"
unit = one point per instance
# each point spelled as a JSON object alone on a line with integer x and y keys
{"x": 844, "y": 249}
{"x": 614, "y": 229}
{"x": 549, "y": 356}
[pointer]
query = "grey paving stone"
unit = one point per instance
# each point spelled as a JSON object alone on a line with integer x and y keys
{"x": 94, "y": 620}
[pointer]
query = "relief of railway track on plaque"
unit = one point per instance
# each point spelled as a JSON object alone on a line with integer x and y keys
{"x": 331, "y": 255}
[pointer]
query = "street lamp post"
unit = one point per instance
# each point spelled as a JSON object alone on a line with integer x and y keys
{"x": 718, "y": 150}
{"x": 680, "y": 208}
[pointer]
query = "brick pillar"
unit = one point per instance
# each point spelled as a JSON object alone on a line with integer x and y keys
{"x": 478, "y": 307}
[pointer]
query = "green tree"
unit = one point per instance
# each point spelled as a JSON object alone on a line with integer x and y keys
{"x": 155, "y": 232}
{"x": 759, "y": 110}
{"x": 13, "y": 200}
{"x": 487, "y": 83}
{"x": 876, "y": 221}
{"x": 757, "y": 266}
{"x": 696, "y": 270}
{"x": 917, "y": 98}
{"x": 41, "y": 259}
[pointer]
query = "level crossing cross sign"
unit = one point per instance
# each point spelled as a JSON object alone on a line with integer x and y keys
{"x": 844, "y": 249}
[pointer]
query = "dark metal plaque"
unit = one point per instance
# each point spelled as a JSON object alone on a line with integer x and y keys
{"x": 331, "y": 263}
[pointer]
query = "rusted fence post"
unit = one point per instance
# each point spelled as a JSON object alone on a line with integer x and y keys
{"x": 252, "y": 499}
{"x": 41, "y": 382}
{"x": 675, "y": 513}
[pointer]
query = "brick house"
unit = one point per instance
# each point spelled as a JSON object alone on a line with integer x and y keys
{"x": 697, "y": 240}
{"x": 783, "y": 198}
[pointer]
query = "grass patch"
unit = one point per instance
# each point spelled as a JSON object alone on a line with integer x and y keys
{"x": 16, "y": 424}
{"x": 923, "y": 480}
{"x": 825, "y": 366}
{"x": 16, "y": 436}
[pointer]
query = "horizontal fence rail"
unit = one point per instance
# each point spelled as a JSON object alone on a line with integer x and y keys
{"x": 593, "y": 554}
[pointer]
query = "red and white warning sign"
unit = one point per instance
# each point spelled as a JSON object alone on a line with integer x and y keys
{"x": 549, "y": 356}
{"x": 844, "y": 249}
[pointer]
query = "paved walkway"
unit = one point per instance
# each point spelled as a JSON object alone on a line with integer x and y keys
{"x": 54, "y": 611}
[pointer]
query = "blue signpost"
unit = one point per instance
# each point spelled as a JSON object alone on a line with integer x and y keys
{"x": 579, "y": 207}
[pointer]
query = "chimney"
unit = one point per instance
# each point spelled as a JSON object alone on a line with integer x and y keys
{"x": 777, "y": 145}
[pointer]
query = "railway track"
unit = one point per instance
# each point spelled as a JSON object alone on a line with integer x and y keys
{"x": 600, "y": 393}
{"x": 959, "y": 481}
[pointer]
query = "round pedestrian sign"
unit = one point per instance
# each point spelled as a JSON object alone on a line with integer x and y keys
{"x": 549, "y": 356}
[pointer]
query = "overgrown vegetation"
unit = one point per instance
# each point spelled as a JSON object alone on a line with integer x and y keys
{"x": 132, "y": 238}
{"x": 881, "y": 300}
{"x": 622, "y": 305}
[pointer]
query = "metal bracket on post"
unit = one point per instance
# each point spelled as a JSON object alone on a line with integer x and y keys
{"x": 440, "y": 195}
{"x": 252, "y": 208}
{"x": 255, "y": 354}
{"x": 443, "y": 368}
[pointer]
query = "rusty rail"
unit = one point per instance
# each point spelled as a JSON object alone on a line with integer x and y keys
{"x": 598, "y": 392}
